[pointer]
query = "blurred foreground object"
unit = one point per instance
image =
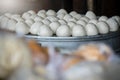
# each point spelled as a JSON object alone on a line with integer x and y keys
{"x": 92, "y": 61}
{"x": 92, "y": 52}
{"x": 15, "y": 57}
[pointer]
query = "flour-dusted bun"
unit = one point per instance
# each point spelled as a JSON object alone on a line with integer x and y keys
{"x": 73, "y": 20}
{"x": 51, "y": 13}
{"x": 63, "y": 11}
{"x": 45, "y": 31}
{"x": 52, "y": 18}
{"x": 63, "y": 31}
{"x": 38, "y": 18}
{"x": 26, "y": 15}
{"x": 77, "y": 16}
{"x": 41, "y": 11}
{"x": 82, "y": 22}
{"x": 35, "y": 27}
{"x": 19, "y": 19}
{"x": 33, "y": 16}
{"x": 117, "y": 18}
{"x": 85, "y": 19}
{"x": 8, "y": 15}
{"x": 22, "y": 28}
{"x": 60, "y": 16}
{"x": 103, "y": 27}
{"x": 42, "y": 14}
{"x": 94, "y": 21}
{"x": 62, "y": 21}
{"x": 11, "y": 25}
{"x": 54, "y": 26}
{"x": 91, "y": 29}
{"x": 113, "y": 24}
{"x": 78, "y": 30}
{"x": 103, "y": 18}
{"x": 32, "y": 12}
{"x": 15, "y": 16}
{"x": 29, "y": 22}
{"x": 46, "y": 21}
{"x": 90, "y": 15}
{"x": 73, "y": 13}
{"x": 71, "y": 24}
{"x": 67, "y": 17}
{"x": 4, "y": 22}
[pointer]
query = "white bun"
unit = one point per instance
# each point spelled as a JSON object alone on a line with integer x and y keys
{"x": 78, "y": 30}
{"x": 91, "y": 29}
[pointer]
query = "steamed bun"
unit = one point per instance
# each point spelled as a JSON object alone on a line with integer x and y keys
{"x": 54, "y": 26}
{"x": 91, "y": 29}
{"x": 90, "y": 15}
{"x": 63, "y": 31}
{"x": 45, "y": 31}
{"x": 35, "y": 27}
{"x": 78, "y": 30}
{"x": 103, "y": 27}
{"x": 22, "y": 28}
{"x": 113, "y": 24}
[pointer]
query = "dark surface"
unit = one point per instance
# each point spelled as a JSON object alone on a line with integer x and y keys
{"x": 101, "y": 7}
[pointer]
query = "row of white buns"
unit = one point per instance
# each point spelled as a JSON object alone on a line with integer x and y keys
{"x": 61, "y": 23}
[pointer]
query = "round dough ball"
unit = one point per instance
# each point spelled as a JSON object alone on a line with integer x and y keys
{"x": 73, "y": 13}
{"x": 41, "y": 14}
{"x": 113, "y": 24}
{"x": 54, "y": 26}
{"x": 46, "y": 21}
{"x": 4, "y": 22}
{"x": 22, "y": 28}
{"x": 8, "y": 15}
{"x": 71, "y": 24}
{"x": 91, "y": 15}
{"x": 29, "y": 22}
{"x": 32, "y": 12}
{"x": 26, "y": 15}
{"x": 38, "y": 18}
{"x": 85, "y": 19}
{"x": 33, "y": 16}
{"x": 15, "y": 16}
{"x": 91, "y": 29}
{"x": 77, "y": 16}
{"x": 82, "y": 22}
{"x": 117, "y": 18}
{"x": 67, "y": 17}
{"x": 62, "y": 11}
{"x": 45, "y": 31}
{"x": 72, "y": 19}
{"x": 51, "y": 13}
{"x": 103, "y": 27}
{"x": 12, "y": 24}
{"x": 62, "y": 21}
{"x": 63, "y": 31}
{"x": 35, "y": 27}
{"x": 103, "y": 18}
{"x": 42, "y": 11}
{"x": 61, "y": 16}
{"x": 52, "y": 18}
{"x": 94, "y": 21}
{"x": 78, "y": 30}
{"x": 19, "y": 19}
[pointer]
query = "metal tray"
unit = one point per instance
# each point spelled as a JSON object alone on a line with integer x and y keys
{"x": 71, "y": 43}
{"x": 84, "y": 38}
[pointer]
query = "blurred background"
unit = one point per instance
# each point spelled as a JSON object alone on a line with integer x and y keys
{"x": 100, "y": 7}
